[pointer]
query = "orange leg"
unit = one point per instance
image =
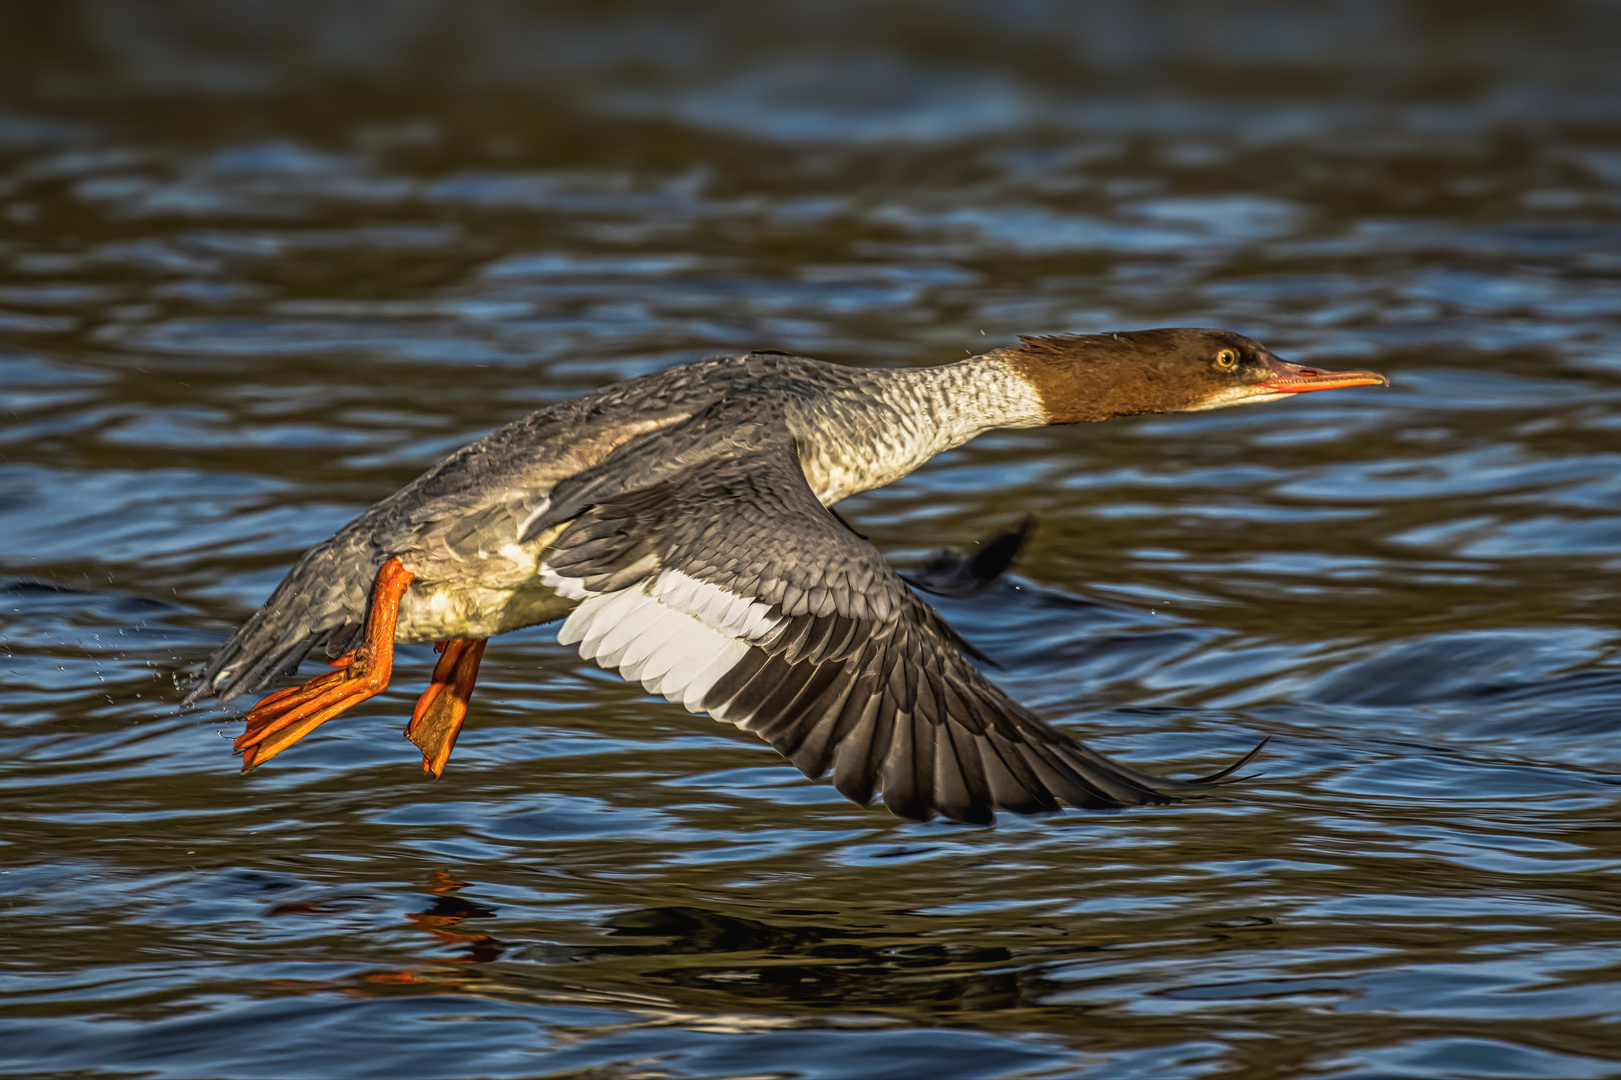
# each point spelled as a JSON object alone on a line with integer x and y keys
{"x": 440, "y": 711}
{"x": 283, "y": 718}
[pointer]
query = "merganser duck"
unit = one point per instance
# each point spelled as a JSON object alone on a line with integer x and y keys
{"x": 679, "y": 522}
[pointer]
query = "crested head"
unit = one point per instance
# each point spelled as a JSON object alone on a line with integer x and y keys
{"x": 1181, "y": 369}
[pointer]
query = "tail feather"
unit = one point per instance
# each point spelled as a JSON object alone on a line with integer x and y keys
{"x": 320, "y": 603}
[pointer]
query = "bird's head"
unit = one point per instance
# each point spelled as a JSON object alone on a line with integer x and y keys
{"x": 1183, "y": 369}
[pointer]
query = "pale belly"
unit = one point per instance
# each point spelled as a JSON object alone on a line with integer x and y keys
{"x": 445, "y": 611}
{"x": 480, "y": 597}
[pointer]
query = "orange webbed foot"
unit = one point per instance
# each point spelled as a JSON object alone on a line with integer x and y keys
{"x": 281, "y": 719}
{"x": 442, "y": 708}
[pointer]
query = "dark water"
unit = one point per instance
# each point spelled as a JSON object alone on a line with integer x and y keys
{"x": 262, "y": 263}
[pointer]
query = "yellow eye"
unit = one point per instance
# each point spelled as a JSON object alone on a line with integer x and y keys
{"x": 1227, "y": 359}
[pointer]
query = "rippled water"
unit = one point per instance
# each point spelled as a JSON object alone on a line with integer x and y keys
{"x": 260, "y": 265}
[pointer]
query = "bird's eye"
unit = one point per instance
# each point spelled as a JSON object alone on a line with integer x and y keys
{"x": 1227, "y": 359}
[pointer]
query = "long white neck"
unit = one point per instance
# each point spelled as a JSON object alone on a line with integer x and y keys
{"x": 897, "y": 419}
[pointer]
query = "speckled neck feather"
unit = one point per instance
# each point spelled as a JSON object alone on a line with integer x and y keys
{"x": 902, "y": 418}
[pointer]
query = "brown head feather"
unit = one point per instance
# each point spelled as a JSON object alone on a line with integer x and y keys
{"x": 1084, "y": 377}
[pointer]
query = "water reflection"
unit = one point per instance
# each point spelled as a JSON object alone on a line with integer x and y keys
{"x": 697, "y": 960}
{"x": 439, "y": 922}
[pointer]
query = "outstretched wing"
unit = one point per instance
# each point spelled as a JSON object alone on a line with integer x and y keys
{"x": 732, "y": 590}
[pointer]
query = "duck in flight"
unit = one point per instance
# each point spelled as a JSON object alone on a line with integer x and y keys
{"x": 679, "y": 523}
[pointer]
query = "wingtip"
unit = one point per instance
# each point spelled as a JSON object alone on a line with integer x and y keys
{"x": 1226, "y": 775}
{"x": 960, "y": 575}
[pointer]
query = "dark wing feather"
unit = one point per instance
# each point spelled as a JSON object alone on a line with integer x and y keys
{"x": 950, "y": 573}
{"x": 866, "y": 681}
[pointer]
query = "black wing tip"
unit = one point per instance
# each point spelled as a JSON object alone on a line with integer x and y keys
{"x": 956, "y": 575}
{"x": 1103, "y": 785}
{"x": 1225, "y": 776}
{"x": 985, "y": 814}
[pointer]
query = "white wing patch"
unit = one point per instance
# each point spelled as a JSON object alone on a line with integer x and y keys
{"x": 674, "y": 634}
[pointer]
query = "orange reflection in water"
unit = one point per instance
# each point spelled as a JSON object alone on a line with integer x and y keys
{"x": 440, "y": 920}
